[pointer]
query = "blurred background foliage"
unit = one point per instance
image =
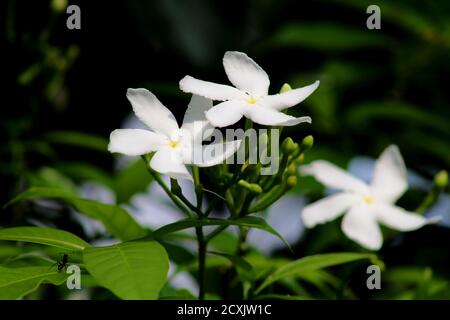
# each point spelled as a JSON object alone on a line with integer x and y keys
{"x": 64, "y": 92}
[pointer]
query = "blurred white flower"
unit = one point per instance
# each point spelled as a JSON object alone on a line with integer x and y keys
{"x": 441, "y": 210}
{"x": 363, "y": 168}
{"x": 365, "y": 205}
{"x": 174, "y": 147}
{"x": 249, "y": 97}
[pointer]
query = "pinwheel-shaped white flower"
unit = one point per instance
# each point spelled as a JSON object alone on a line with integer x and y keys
{"x": 249, "y": 97}
{"x": 364, "y": 205}
{"x": 174, "y": 147}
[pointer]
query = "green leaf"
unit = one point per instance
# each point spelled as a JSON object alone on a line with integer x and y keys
{"x": 48, "y": 236}
{"x": 131, "y": 270}
{"x": 243, "y": 268}
{"x": 248, "y": 222}
{"x": 50, "y": 178}
{"x": 79, "y": 139}
{"x": 116, "y": 220}
{"x": 237, "y": 261}
{"x": 325, "y": 36}
{"x": 17, "y": 282}
{"x": 310, "y": 263}
{"x": 82, "y": 172}
{"x": 131, "y": 180}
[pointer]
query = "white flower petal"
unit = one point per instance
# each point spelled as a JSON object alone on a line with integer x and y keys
{"x": 216, "y": 153}
{"x": 389, "y": 179}
{"x": 269, "y": 117}
{"x": 168, "y": 161}
{"x": 398, "y": 218}
{"x": 360, "y": 225}
{"x": 210, "y": 90}
{"x": 289, "y": 98}
{"x": 334, "y": 177}
{"x": 226, "y": 113}
{"x": 134, "y": 142}
{"x": 195, "y": 120}
{"x": 152, "y": 112}
{"x": 327, "y": 209}
{"x": 245, "y": 74}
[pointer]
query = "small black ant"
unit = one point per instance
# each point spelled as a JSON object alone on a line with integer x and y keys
{"x": 61, "y": 264}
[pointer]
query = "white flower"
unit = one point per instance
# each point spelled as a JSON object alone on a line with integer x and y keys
{"x": 249, "y": 97}
{"x": 174, "y": 147}
{"x": 364, "y": 205}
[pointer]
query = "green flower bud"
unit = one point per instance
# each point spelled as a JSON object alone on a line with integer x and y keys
{"x": 441, "y": 179}
{"x": 252, "y": 187}
{"x": 266, "y": 199}
{"x": 299, "y": 160}
{"x": 59, "y": 5}
{"x": 291, "y": 169}
{"x": 308, "y": 142}
{"x": 291, "y": 181}
{"x": 286, "y": 87}
{"x": 289, "y": 146}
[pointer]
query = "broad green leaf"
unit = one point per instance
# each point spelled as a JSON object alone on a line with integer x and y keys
{"x": 79, "y": 139}
{"x": 50, "y": 178}
{"x": 243, "y": 268}
{"x": 131, "y": 180}
{"x": 28, "y": 259}
{"x": 8, "y": 250}
{"x": 248, "y": 222}
{"x": 325, "y": 36}
{"x": 82, "y": 172}
{"x": 116, "y": 220}
{"x": 17, "y": 282}
{"x": 131, "y": 270}
{"x": 168, "y": 293}
{"x": 310, "y": 263}
{"x": 224, "y": 242}
{"x": 48, "y": 236}
{"x": 238, "y": 261}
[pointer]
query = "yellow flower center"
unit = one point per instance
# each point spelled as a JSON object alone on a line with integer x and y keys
{"x": 250, "y": 100}
{"x": 173, "y": 144}
{"x": 368, "y": 199}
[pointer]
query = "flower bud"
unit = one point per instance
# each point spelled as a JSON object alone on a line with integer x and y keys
{"x": 291, "y": 181}
{"x": 289, "y": 146}
{"x": 286, "y": 87}
{"x": 299, "y": 160}
{"x": 308, "y": 142}
{"x": 252, "y": 187}
{"x": 291, "y": 169}
{"x": 441, "y": 179}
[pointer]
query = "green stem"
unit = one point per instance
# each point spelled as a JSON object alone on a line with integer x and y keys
{"x": 202, "y": 247}
{"x": 202, "y": 244}
{"x": 181, "y": 196}
{"x": 440, "y": 182}
{"x": 429, "y": 200}
{"x": 172, "y": 197}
